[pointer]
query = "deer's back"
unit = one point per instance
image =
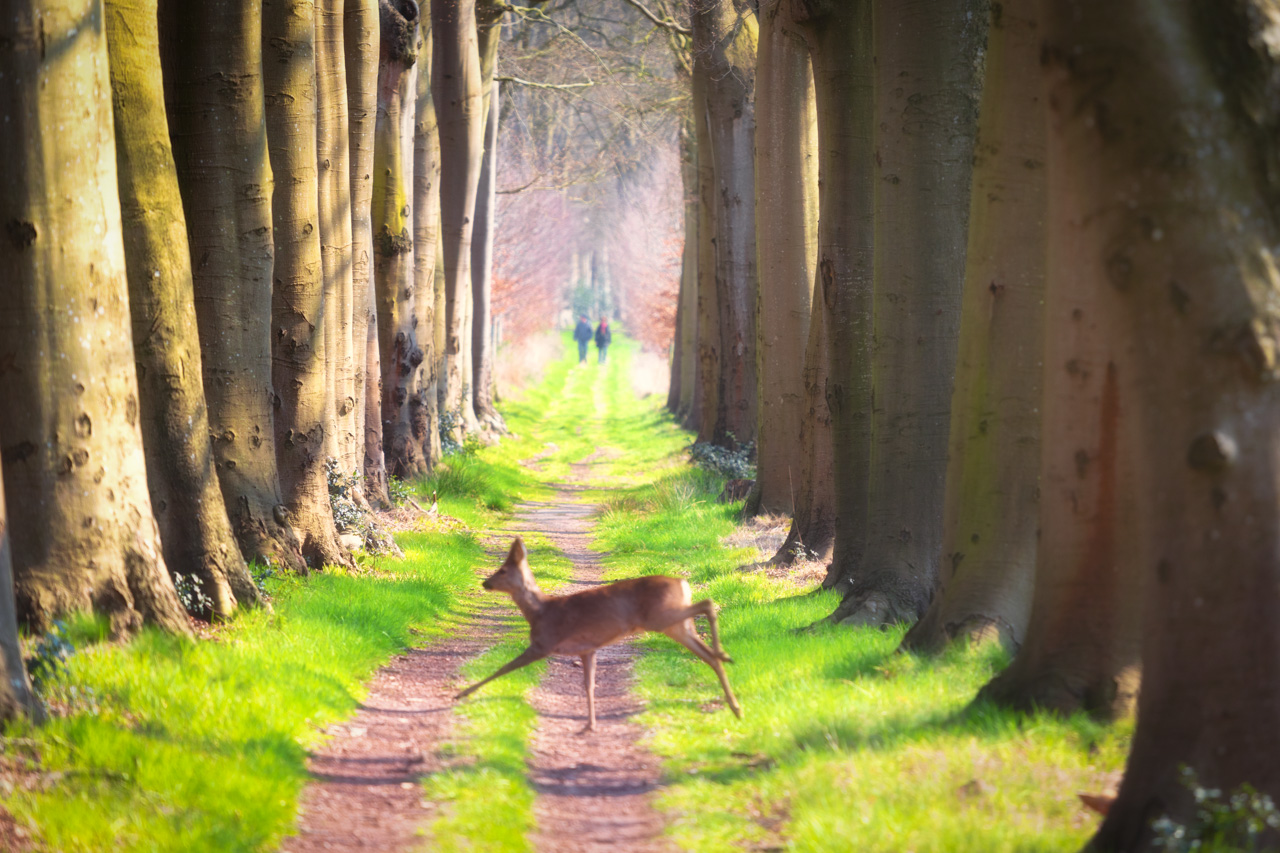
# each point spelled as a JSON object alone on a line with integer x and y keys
{"x": 587, "y": 620}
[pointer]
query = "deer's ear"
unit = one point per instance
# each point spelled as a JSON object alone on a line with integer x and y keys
{"x": 517, "y": 554}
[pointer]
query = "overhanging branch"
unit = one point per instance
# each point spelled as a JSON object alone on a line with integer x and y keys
{"x": 662, "y": 22}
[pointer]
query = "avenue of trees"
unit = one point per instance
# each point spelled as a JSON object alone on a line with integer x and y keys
{"x": 1006, "y": 270}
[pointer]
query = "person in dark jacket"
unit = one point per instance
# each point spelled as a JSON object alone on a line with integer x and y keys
{"x": 603, "y": 337}
{"x": 582, "y": 334}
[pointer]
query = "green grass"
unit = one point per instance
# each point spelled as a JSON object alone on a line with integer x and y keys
{"x": 173, "y": 744}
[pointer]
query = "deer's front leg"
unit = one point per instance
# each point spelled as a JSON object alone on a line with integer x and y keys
{"x": 589, "y": 680}
{"x": 525, "y": 658}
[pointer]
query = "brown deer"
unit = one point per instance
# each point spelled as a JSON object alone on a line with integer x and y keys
{"x": 583, "y": 622}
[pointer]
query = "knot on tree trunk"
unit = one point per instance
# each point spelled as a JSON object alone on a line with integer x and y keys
{"x": 399, "y": 19}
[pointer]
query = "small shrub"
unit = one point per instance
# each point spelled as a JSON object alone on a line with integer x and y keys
{"x": 400, "y": 491}
{"x": 51, "y": 654}
{"x": 260, "y": 573}
{"x": 1237, "y": 823}
{"x": 733, "y": 464}
{"x": 346, "y": 515}
{"x": 192, "y": 595}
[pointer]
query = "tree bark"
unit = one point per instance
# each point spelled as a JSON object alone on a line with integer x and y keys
{"x": 687, "y": 329}
{"x": 927, "y": 61}
{"x": 220, "y": 149}
{"x": 991, "y": 512}
{"x": 360, "y": 41}
{"x": 299, "y": 303}
{"x": 333, "y": 139}
{"x": 16, "y": 696}
{"x": 786, "y": 185}
{"x": 724, "y": 58}
{"x": 83, "y": 533}
{"x": 706, "y": 404}
{"x": 424, "y": 403}
{"x": 459, "y": 101}
{"x": 393, "y": 240}
{"x": 488, "y": 29}
{"x": 195, "y": 532}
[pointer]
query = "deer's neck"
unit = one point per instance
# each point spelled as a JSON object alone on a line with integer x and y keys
{"x": 530, "y": 600}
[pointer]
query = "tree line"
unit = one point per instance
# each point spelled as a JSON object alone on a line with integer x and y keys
{"x": 248, "y": 251}
{"x": 991, "y": 287}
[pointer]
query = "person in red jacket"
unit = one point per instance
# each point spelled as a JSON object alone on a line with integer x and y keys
{"x": 603, "y": 337}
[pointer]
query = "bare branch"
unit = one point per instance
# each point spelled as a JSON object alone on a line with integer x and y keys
{"x": 537, "y": 85}
{"x": 662, "y": 22}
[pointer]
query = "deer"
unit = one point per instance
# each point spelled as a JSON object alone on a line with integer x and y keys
{"x": 583, "y": 622}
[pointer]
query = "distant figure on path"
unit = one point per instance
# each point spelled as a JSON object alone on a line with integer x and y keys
{"x": 582, "y": 334}
{"x": 603, "y": 337}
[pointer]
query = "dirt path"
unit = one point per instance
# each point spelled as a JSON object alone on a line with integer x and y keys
{"x": 594, "y": 790}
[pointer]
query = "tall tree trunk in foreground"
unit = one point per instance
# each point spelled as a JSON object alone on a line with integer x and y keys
{"x": 298, "y": 298}
{"x": 424, "y": 404}
{"x": 1163, "y": 188}
{"x": 837, "y": 385}
{"x": 220, "y": 149}
{"x": 333, "y": 140}
{"x": 1081, "y": 650}
{"x": 926, "y": 98}
{"x": 393, "y": 242}
{"x": 488, "y": 29}
{"x": 704, "y": 413}
{"x": 459, "y": 100}
{"x": 725, "y": 58}
{"x": 991, "y": 516}
{"x": 360, "y": 41}
{"x": 194, "y": 529}
{"x": 16, "y": 695}
{"x": 83, "y": 533}
{"x": 687, "y": 330}
{"x": 786, "y": 183}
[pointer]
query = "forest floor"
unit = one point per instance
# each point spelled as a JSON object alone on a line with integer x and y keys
{"x": 330, "y": 723}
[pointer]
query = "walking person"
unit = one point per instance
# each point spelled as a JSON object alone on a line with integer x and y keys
{"x": 582, "y": 334}
{"x": 603, "y": 337}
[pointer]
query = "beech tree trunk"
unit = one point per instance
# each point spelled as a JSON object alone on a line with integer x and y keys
{"x": 459, "y": 100}
{"x": 786, "y": 185}
{"x": 393, "y": 240}
{"x": 687, "y": 327}
{"x": 80, "y": 519}
{"x": 360, "y": 41}
{"x": 195, "y": 533}
{"x": 424, "y": 403}
{"x": 333, "y": 139}
{"x": 299, "y": 304}
{"x": 220, "y": 149}
{"x": 1170, "y": 109}
{"x": 927, "y": 61}
{"x": 991, "y": 514}
{"x": 724, "y": 40}
{"x": 706, "y": 405}
{"x": 488, "y": 29}
{"x": 16, "y": 695}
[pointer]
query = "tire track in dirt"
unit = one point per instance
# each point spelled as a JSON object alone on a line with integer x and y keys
{"x": 595, "y": 789}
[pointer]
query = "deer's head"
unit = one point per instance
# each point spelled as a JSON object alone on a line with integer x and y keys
{"x": 514, "y": 574}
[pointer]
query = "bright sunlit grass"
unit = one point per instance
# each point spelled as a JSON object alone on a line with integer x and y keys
{"x": 170, "y": 744}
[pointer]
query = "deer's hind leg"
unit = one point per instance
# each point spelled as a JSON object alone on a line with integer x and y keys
{"x": 683, "y": 633}
{"x": 706, "y": 607}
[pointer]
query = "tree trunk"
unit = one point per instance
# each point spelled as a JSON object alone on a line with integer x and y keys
{"x": 725, "y": 58}
{"x": 424, "y": 405}
{"x": 991, "y": 512}
{"x": 393, "y": 240}
{"x": 333, "y": 139}
{"x": 360, "y": 41}
{"x": 786, "y": 183}
{"x": 195, "y": 532}
{"x": 220, "y": 149}
{"x": 488, "y": 29}
{"x": 83, "y": 533}
{"x": 459, "y": 100}
{"x": 1161, "y": 108}
{"x": 927, "y": 61}
{"x": 706, "y": 404}
{"x": 16, "y": 695}
{"x": 299, "y": 303}
{"x": 687, "y": 328}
